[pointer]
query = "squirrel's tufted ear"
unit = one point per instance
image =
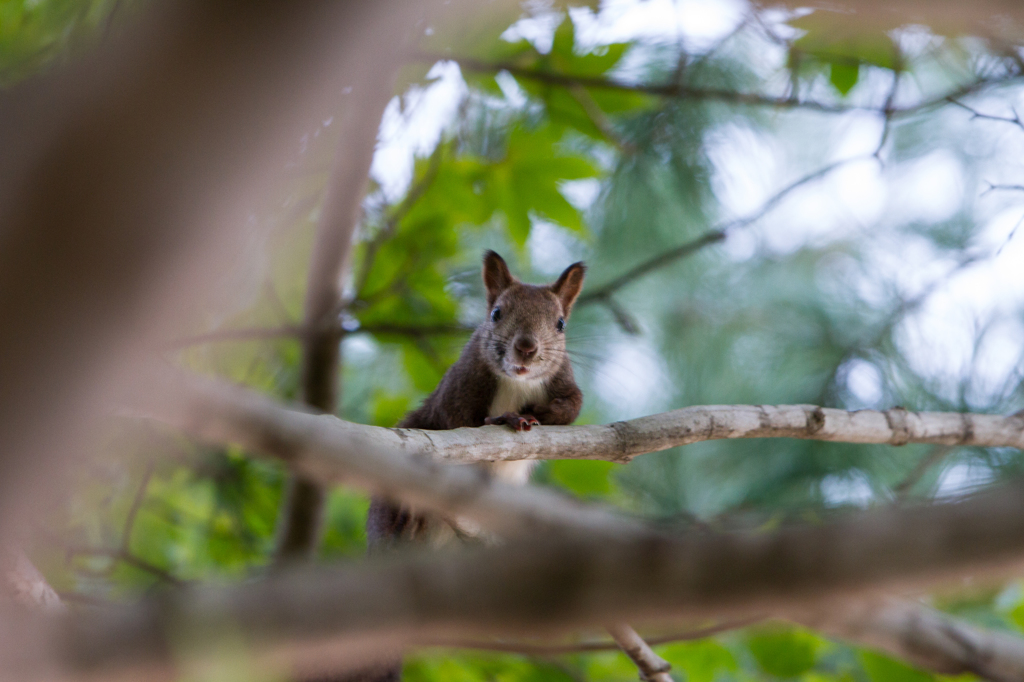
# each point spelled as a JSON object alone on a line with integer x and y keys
{"x": 568, "y": 285}
{"x": 497, "y": 277}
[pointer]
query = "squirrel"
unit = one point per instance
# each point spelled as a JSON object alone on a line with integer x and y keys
{"x": 514, "y": 370}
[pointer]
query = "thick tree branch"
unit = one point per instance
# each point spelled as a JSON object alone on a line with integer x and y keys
{"x": 547, "y": 585}
{"x": 371, "y": 89}
{"x": 303, "y": 438}
{"x": 103, "y": 234}
{"x": 926, "y": 638}
{"x": 26, "y": 586}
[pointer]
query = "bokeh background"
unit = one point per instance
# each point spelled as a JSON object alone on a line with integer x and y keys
{"x": 775, "y": 207}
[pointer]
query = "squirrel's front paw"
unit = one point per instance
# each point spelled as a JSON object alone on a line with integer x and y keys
{"x": 519, "y": 422}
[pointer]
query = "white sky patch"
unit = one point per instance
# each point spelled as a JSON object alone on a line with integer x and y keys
{"x": 746, "y": 165}
{"x": 698, "y": 23}
{"x": 928, "y": 189}
{"x": 581, "y": 193}
{"x": 864, "y": 381}
{"x": 963, "y": 478}
{"x": 416, "y": 130}
{"x": 857, "y": 133}
{"x": 630, "y": 380}
{"x": 359, "y": 348}
{"x": 851, "y": 488}
{"x": 860, "y": 188}
{"x": 552, "y": 247}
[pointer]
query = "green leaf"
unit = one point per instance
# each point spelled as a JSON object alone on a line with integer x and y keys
{"x": 565, "y": 38}
{"x": 702, "y": 661}
{"x": 784, "y": 652}
{"x": 844, "y": 76}
{"x": 586, "y": 478}
{"x": 884, "y": 669}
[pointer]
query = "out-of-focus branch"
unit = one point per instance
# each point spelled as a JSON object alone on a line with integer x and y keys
{"x": 549, "y": 584}
{"x": 533, "y": 649}
{"x": 714, "y": 94}
{"x": 114, "y": 170}
{"x": 25, "y": 585}
{"x": 241, "y": 334}
{"x": 387, "y": 231}
{"x": 652, "y": 667}
{"x": 603, "y": 293}
{"x": 1015, "y": 119}
{"x": 924, "y": 637}
{"x": 121, "y": 554}
{"x": 371, "y": 87}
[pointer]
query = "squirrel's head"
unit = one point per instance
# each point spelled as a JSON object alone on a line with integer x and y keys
{"x": 524, "y": 334}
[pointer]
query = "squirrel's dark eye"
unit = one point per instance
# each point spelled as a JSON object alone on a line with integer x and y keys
{"x": 495, "y": 314}
{"x": 560, "y": 325}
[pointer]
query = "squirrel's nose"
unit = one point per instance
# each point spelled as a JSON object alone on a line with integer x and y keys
{"x": 526, "y": 347}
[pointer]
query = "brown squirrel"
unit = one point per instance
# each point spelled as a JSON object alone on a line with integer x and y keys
{"x": 514, "y": 370}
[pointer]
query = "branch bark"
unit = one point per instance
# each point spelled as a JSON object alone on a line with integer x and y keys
{"x": 652, "y": 667}
{"x": 924, "y": 637}
{"x": 371, "y": 89}
{"x": 331, "y": 448}
{"x": 549, "y": 584}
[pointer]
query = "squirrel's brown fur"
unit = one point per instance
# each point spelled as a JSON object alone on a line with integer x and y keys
{"x": 514, "y": 370}
{"x": 493, "y": 365}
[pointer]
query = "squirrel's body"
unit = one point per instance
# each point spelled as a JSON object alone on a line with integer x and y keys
{"x": 513, "y": 370}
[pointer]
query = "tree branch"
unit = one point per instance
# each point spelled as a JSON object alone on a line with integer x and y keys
{"x": 550, "y": 584}
{"x": 226, "y": 413}
{"x": 371, "y": 89}
{"x": 714, "y": 94}
{"x": 862, "y": 547}
{"x": 653, "y": 668}
{"x": 925, "y": 637}
{"x": 26, "y": 586}
{"x": 604, "y": 292}
{"x": 531, "y": 649}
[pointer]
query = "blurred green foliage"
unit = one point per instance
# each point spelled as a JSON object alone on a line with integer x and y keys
{"x": 558, "y": 151}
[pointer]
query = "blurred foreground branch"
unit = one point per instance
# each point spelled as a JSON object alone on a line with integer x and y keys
{"x": 549, "y": 584}
{"x": 925, "y": 637}
{"x": 371, "y": 89}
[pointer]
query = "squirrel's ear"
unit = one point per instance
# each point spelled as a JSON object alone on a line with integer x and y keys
{"x": 497, "y": 278}
{"x": 568, "y": 285}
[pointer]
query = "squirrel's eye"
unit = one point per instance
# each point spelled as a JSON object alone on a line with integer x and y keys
{"x": 560, "y": 325}
{"x": 495, "y": 314}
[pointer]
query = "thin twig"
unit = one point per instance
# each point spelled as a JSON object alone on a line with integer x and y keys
{"x": 1015, "y": 119}
{"x": 652, "y": 667}
{"x": 934, "y": 456}
{"x": 531, "y": 649}
{"x": 711, "y": 237}
{"x": 242, "y": 334}
{"x": 717, "y": 94}
{"x": 414, "y": 330}
{"x": 391, "y": 225}
{"x": 126, "y": 557}
{"x": 133, "y": 511}
{"x": 600, "y": 119}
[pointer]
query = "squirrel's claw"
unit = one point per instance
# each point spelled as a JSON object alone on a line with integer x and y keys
{"x": 519, "y": 422}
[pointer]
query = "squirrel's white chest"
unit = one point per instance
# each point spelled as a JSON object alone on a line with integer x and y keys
{"x": 513, "y": 395}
